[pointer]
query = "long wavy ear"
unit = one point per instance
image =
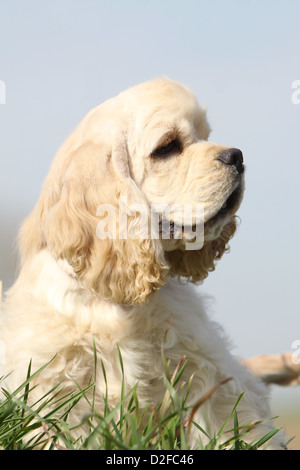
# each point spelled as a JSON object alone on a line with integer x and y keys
{"x": 196, "y": 265}
{"x": 124, "y": 269}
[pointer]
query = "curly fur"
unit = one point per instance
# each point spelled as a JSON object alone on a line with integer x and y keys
{"x": 75, "y": 290}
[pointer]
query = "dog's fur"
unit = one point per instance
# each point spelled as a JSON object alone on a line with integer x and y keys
{"x": 76, "y": 290}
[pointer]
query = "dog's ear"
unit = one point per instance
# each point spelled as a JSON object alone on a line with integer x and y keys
{"x": 195, "y": 265}
{"x": 68, "y": 221}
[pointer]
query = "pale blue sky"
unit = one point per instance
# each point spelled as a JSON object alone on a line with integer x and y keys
{"x": 60, "y": 58}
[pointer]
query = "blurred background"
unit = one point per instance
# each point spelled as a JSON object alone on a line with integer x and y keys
{"x": 60, "y": 58}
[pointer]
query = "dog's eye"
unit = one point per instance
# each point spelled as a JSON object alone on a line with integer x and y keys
{"x": 166, "y": 150}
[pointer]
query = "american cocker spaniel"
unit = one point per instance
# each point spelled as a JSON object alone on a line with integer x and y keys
{"x": 136, "y": 201}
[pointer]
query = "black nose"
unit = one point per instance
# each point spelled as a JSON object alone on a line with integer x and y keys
{"x": 232, "y": 157}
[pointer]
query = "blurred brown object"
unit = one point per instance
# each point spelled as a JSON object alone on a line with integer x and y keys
{"x": 279, "y": 369}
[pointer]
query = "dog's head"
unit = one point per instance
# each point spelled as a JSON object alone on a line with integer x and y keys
{"x": 137, "y": 194}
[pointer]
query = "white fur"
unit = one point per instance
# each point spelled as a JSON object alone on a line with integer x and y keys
{"x": 53, "y": 310}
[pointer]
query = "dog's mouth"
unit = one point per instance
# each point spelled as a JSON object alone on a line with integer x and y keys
{"x": 176, "y": 231}
{"x": 230, "y": 206}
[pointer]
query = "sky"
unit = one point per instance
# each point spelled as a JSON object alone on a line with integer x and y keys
{"x": 60, "y": 58}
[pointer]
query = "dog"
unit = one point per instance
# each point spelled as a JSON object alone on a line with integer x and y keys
{"x": 137, "y": 208}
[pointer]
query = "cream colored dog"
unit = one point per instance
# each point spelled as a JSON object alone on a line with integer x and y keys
{"x": 83, "y": 281}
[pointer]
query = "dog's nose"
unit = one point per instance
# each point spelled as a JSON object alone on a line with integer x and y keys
{"x": 232, "y": 157}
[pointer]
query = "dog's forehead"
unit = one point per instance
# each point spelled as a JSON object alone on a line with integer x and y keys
{"x": 159, "y": 93}
{"x": 146, "y": 111}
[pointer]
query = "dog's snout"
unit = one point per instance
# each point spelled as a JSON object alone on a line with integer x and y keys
{"x": 232, "y": 156}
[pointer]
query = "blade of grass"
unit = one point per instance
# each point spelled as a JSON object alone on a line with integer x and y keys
{"x": 27, "y": 387}
{"x": 266, "y": 438}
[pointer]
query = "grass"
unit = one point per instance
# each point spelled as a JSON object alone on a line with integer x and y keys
{"x": 45, "y": 423}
